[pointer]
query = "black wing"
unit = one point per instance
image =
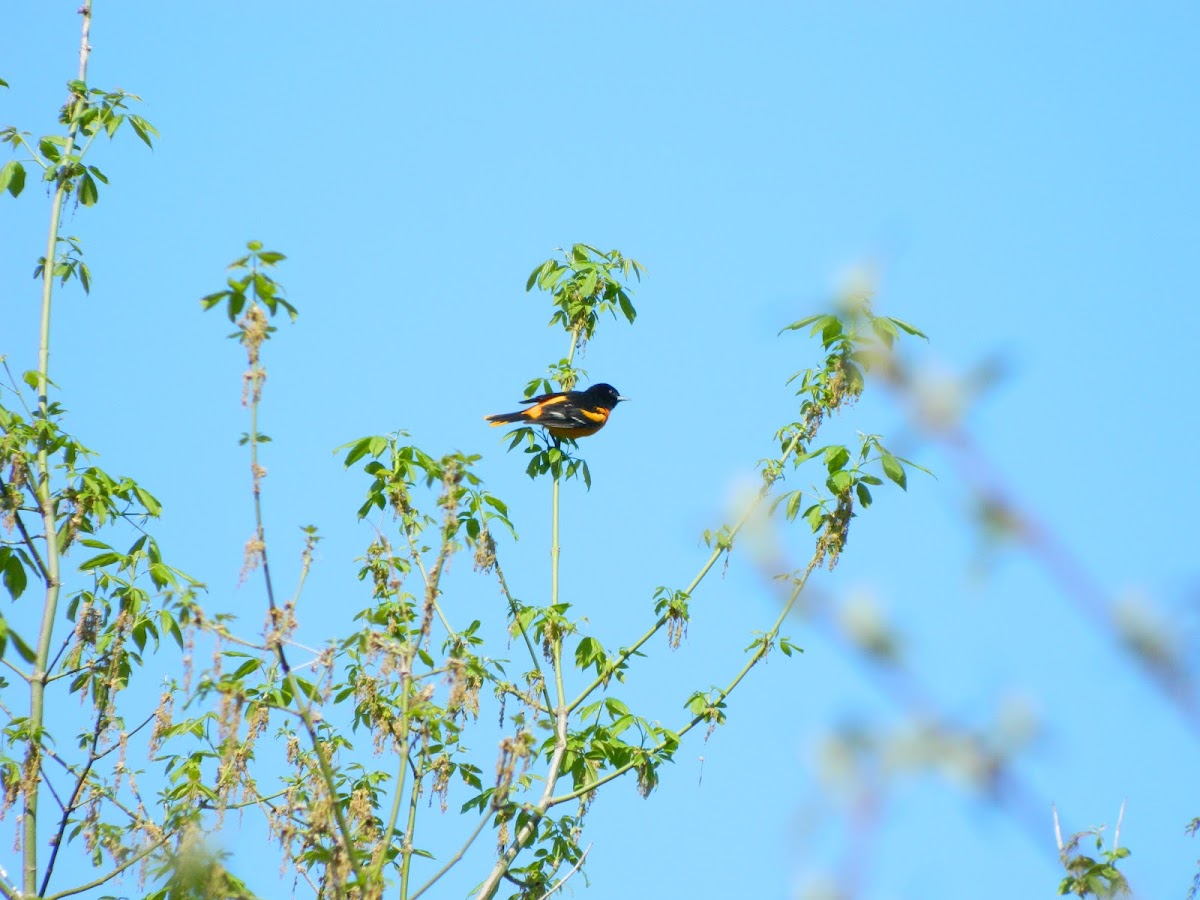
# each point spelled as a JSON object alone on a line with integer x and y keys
{"x": 542, "y": 398}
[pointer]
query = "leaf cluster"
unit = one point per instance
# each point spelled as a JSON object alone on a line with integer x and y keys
{"x": 87, "y": 114}
{"x": 584, "y": 285}
{"x": 1089, "y": 876}
{"x": 854, "y": 339}
{"x": 406, "y": 684}
{"x": 250, "y": 283}
{"x": 119, "y": 603}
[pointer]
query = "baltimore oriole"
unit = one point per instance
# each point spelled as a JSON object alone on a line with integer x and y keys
{"x": 566, "y": 414}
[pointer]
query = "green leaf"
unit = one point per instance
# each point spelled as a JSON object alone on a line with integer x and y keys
{"x": 831, "y": 332}
{"x": 357, "y": 452}
{"x": 836, "y": 458}
{"x": 803, "y": 323}
{"x": 549, "y": 276}
{"x": 213, "y": 299}
{"x": 820, "y": 323}
{"x": 100, "y": 561}
{"x": 814, "y": 516}
{"x": 839, "y": 482}
{"x": 49, "y": 148}
{"x": 626, "y": 307}
{"x": 12, "y": 178}
{"x": 23, "y": 649}
{"x": 917, "y": 466}
{"x": 161, "y": 575}
{"x": 15, "y": 579}
{"x": 864, "y": 495}
{"x": 907, "y": 328}
{"x": 143, "y": 129}
{"x": 854, "y": 378}
{"x": 264, "y": 287}
{"x": 148, "y": 500}
{"x": 885, "y": 330}
{"x": 496, "y": 503}
{"x": 245, "y": 669}
{"x": 788, "y": 648}
{"x": 586, "y": 652}
{"x": 894, "y": 470}
{"x": 88, "y": 193}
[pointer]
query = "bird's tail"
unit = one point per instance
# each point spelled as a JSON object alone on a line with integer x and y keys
{"x": 504, "y": 418}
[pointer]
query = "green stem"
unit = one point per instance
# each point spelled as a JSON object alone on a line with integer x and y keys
{"x": 488, "y": 889}
{"x": 410, "y": 828}
{"x": 454, "y": 860}
{"x": 433, "y": 578}
{"x": 537, "y": 664}
{"x": 404, "y": 753}
{"x": 555, "y": 549}
{"x": 323, "y": 765}
{"x": 628, "y": 652}
{"x": 131, "y": 861}
{"x": 562, "y": 712}
{"x": 255, "y": 473}
{"x": 275, "y": 639}
{"x": 95, "y": 754}
{"x": 27, "y": 540}
{"x": 760, "y": 652}
{"x": 37, "y": 681}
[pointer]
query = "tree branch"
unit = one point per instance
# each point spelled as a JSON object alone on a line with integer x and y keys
{"x": 45, "y": 498}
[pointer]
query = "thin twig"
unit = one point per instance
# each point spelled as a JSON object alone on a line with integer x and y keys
{"x": 22, "y": 675}
{"x": 410, "y": 827}
{"x": 133, "y": 860}
{"x": 94, "y": 755}
{"x": 533, "y": 655}
{"x": 1075, "y": 581}
{"x": 31, "y": 546}
{"x": 716, "y": 554}
{"x": 763, "y": 644}
{"x": 454, "y": 860}
{"x": 575, "y": 868}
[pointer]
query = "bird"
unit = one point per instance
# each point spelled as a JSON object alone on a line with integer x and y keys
{"x": 566, "y": 414}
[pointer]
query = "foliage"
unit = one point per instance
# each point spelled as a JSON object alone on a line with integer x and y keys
{"x": 583, "y": 286}
{"x": 363, "y": 730}
{"x": 1088, "y": 876}
{"x": 1192, "y": 827}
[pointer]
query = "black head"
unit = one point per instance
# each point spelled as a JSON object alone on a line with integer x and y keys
{"x": 604, "y": 395}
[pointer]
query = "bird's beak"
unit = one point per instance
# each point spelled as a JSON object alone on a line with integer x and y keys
{"x": 623, "y": 399}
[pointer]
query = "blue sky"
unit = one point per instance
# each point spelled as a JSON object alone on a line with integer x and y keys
{"x": 1020, "y": 176}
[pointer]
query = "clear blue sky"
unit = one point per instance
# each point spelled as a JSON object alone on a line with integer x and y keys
{"x": 1022, "y": 175}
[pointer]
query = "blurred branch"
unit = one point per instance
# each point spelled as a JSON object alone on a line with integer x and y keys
{"x": 994, "y": 776}
{"x": 1153, "y": 658}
